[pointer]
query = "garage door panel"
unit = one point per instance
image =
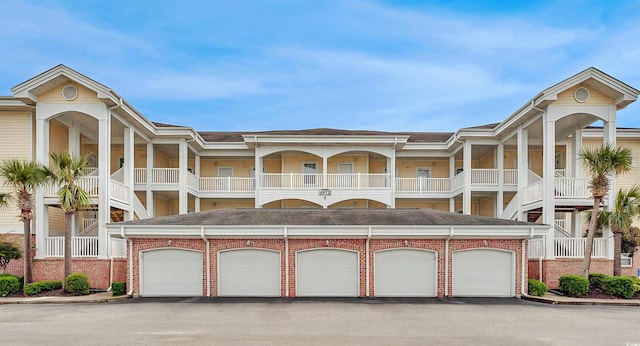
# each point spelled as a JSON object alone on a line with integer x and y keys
{"x": 327, "y": 273}
{"x": 171, "y": 272}
{"x": 483, "y": 273}
{"x": 405, "y": 273}
{"x": 249, "y": 273}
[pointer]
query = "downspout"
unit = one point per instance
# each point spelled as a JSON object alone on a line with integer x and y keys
{"x": 110, "y": 274}
{"x": 130, "y": 242}
{"x": 524, "y": 258}
{"x": 206, "y": 241}
{"x": 286, "y": 263}
{"x": 367, "y": 262}
{"x": 446, "y": 262}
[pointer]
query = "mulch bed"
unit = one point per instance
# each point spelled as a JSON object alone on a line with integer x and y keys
{"x": 599, "y": 294}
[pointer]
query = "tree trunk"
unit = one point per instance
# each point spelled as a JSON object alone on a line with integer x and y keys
{"x": 617, "y": 249}
{"x": 588, "y": 248}
{"x": 67, "y": 249}
{"x": 28, "y": 276}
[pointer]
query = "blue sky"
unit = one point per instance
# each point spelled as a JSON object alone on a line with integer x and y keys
{"x": 352, "y": 64}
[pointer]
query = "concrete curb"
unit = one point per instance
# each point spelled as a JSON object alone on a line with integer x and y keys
{"x": 63, "y": 300}
{"x": 581, "y": 301}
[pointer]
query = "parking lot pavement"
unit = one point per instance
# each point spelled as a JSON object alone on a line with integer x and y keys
{"x": 319, "y": 321}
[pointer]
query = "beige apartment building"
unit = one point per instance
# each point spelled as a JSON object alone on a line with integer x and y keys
{"x": 525, "y": 169}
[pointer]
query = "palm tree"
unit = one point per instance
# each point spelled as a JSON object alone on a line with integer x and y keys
{"x": 602, "y": 163}
{"x": 620, "y": 218}
{"x": 65, "y": 170}
{"x": 22, "y": 177}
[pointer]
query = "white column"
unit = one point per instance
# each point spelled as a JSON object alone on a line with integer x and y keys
{"x": 466, "y": 166}
{"x": 150, "y": 163}
{"x": 609, "y": 137}
{"x": 500, "y": 194}
{"x": 104, "y": 209}
{"x": 41, "y": 216}
{"x": 523, "y": 169}
{"x": 452, "y": 205}
{"x": 548, "y": 179}
{"x": 392, "y": 162}
{"x": 196, "y": 171}
{"x": 576, "y": 224}
{"x": 576, "y": 162}
{"x": 128, "y": 170}
{"x": 74, "y": 139}
{"x": 324, "y": 173}
{"x": 257, "y": 177}
{"x": 182, "y": 172}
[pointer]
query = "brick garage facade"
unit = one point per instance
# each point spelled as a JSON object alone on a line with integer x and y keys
{"x": 297, "y": 245}
{"x": 217, "y": 245}
{"x": 512, "y": 245}
{"x": 436, "y": 245}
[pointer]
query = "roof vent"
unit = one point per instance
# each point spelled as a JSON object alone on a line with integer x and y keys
{"x": 69, "y": 92}
{"x": 581, "y": 94}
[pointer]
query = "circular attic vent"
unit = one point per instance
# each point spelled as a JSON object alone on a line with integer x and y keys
{"x": 581, "y": 94}
{"x": 69, "y": 92}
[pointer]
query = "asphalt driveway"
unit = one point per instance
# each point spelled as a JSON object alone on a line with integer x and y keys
{"x": 319, "y": 321}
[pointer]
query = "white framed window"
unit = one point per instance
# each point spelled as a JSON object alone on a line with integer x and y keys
{"x": 225, "y": 172}
{"x": 423, "y": 172}
{"x": 309, "y": 169}
{"x": 345, "y": 167}
{"x": 626, "y": 259}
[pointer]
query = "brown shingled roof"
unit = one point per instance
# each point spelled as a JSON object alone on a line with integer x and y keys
{"x": 417, "y": 137}
{"x": 322, "y": 217}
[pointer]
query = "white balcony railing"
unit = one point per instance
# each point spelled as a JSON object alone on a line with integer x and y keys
{"x": 86, "y": 223}
{"x": 88, "y": 184}
{"x": 140, "y": 175}
{"x": 158, "y": 176}
{"x": 165, "y": 175}
{"x": 574, "y": 247}
{"x": 484, "y": 176}
{"x": 291, "y": 181}
{"x": 533, "y": 192}
{"x": 457, "y": 182}
{"x": 117, "y": 248}
{"x": 80, "y": 246}
{"x": 423, "y": 184}
{"x": 227, "y": 184}
{"x": 357, "y": 181}
{"x": 572, "y": 188}
{"x": 119, "y": 191}
{"x": 536, "y": 248}
{"x": 510, "y": 177}
{"x": 192, "y": 181}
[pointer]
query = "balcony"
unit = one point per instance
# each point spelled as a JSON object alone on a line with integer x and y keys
{"x": 87, "y": 183}
{"x": 80, "y": 247}
{"x": 567, "y": 248}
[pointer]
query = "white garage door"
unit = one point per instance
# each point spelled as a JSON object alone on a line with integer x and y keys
{"x": 483, "y": 273}
{"x": 249, "y": 273}
{"x": 327, "y": 273}
{"x": 171, "y": 272}
{"x": 405, "y": 273}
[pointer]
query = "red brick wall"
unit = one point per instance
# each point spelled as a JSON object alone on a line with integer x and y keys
{"x": 295, "y": 245}
{"x": 635, "y": 265}
{"x": 307, "y": 244}
{"x": 514, "y": 245}
{"x": 553, "y": 269}
{"x": 98, "y": 270}
{"x": 436, "y": 245}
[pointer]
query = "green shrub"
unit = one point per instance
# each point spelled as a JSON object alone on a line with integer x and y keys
{"x": 574, "y": 285}
{"x": 118, "y": 288}
{"x": 9, "y": 285}
{"x": 596, "y": 281}
{"x": 537, "y": 288}
{"x": 619, "y": 286}
{"x": 41, "y": 286}
{"x": 77, "y": 283}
